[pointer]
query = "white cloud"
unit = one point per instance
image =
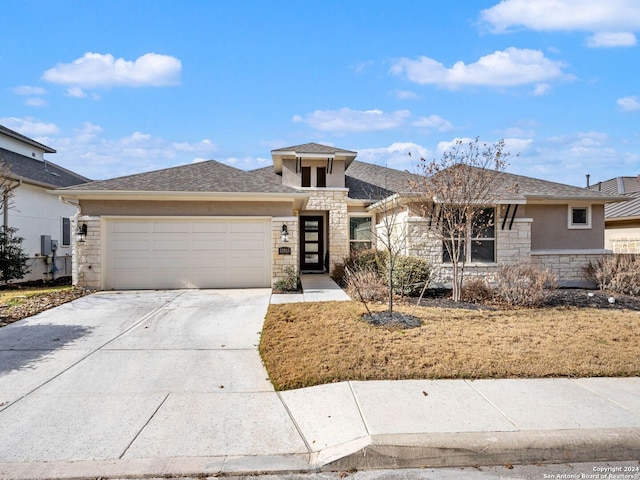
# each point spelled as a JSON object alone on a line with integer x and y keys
{"x": 27, "y": 91}
{"x": 30, "y": 127}
{"x": 75, "y": 92}
{"x": 94, "y": 70}
{"x": 36, "y": 102}
{"x": 629, "y": 104}
{"x": 541, "y": 88}
{"x": 564, "y": 15}
{"x": 433, "y": 121}
{"x": 247, "y": 163}
{"x": 510, "y": 67}
{"x": 405, "y": 95}
{"x": 611, "y": 39}
{"x": 399, "y": 155}
{"x": 347, "y": 120}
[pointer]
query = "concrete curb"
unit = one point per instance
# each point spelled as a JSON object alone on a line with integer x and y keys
{"x": 492, "y": 448}
{"x": 375, "y": 452}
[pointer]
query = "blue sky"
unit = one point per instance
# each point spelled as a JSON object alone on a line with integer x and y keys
{"x": 120, "y": 87}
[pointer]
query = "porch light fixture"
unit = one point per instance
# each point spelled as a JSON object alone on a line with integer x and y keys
{"x": 81, "y": 233}
{"x": 284, "y": 236}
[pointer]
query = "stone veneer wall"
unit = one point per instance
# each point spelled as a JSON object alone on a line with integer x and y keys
{"x": 567, "y": 265}
{"x": 280, "y": 262}
{"x": 334, "y": 201}
{"x": 625, "y": 245}
{"x": 87, "y": 257}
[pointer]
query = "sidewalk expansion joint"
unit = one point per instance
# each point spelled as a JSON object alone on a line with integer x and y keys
{"x": 470, "y": 383}
{"x": 355, "y": 399}
{"x": 144, "y": 426}
{"x": 295, "y": 423}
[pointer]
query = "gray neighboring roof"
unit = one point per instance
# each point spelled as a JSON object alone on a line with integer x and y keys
{"x": 209, "y": 176}
{"x": 619, "y": 185}
{"x": 38, "y": 171}
{"x": 313, "y": 148}
{"x": 18, "y": 136}
{"x": 624, "y": 210}
{"x": 630, "y": 186}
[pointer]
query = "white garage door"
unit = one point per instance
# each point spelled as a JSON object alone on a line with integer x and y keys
{"x": 193, "y": 253}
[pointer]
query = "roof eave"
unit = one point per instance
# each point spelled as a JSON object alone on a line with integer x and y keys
{"x": 573, "y": 198}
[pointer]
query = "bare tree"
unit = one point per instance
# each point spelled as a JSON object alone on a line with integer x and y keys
{"x": 460, "y": 192}
{"x": 7, "y": 187}
{"x": 13, "y": 260}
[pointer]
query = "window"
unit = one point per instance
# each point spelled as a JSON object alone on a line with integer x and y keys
{"x": 479, "y": 242}
{"x": 306, "y": 176}
{"x": 321, "y": 180}
{"x": 359, "y": 233}
{"x": 579, "y": 217}
{"x": 66, "y": 232}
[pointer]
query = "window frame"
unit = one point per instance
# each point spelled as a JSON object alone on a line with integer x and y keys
{"x": 323, "y": 176}
{"x": 352, "y": 241}
{"x": 578, "y": 226}
{"x": 305, "y": 174}
{"x": 468, "y": 242}
{"x": 66, "y": 232}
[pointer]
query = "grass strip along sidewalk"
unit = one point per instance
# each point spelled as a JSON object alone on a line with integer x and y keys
{"x": 305, "y": 344}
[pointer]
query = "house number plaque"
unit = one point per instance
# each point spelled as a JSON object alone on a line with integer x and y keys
{"x": 284, "y": 250}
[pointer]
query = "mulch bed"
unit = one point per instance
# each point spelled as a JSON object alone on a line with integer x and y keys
{"x": 38, "y": 303}
{"x": 562, "y": 297}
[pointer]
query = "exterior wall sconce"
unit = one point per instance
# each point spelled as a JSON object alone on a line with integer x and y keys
{"x": 81, "y": 233}
{"x": 284, "y": 236}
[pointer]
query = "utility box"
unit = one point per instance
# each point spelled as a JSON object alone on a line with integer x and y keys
{"x": 45, "y": 244}
{"x": 54, "y": 245}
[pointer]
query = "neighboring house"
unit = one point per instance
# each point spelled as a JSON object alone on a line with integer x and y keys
{"x": 209, "y": 225}
{"x": 38, "y": 216}
{"x": 622, "y": 220}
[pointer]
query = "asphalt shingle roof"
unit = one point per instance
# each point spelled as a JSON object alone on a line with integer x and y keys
{"x": 209, "y": 176}
{"x": 367, "y": 181}
{"x": 39, "y": 171}
{"x": 313, "y": 148}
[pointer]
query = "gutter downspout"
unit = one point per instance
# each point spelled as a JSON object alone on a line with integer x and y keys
{"x": 75, "y": 266}
{"x": 5, "y": 204}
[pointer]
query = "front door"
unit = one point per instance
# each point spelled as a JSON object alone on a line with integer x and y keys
{"x": 312, "y": 243}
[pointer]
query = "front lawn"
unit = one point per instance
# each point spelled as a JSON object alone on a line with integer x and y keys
{"x": 305, "y": 344}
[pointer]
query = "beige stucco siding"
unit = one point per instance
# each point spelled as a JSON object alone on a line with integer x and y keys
{"x": 187, "y": 208}
{"x": 550, "y": 230}
{"x": 335, "y": 178}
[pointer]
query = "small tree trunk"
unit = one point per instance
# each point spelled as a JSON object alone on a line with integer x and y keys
{"x": 390, "y": 289}
{"x": 455, "y": 283}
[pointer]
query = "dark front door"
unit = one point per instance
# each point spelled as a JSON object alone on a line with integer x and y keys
{"x": 312, "y": 243}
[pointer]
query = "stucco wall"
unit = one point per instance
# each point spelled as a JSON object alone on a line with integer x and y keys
{"x": 550, "y": 228}
{"x": 188, "y": 208}
{"x": 335, "y": 179}
{"x": 22, "y": 148}
{"x": 35, "y": 212}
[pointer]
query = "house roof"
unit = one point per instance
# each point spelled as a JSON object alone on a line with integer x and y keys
{"x": 311, "y": 150}
{"x": 367, "y": 181}
{"x": 41, "y": 172}
{"x": 18, "y": 136}
{"x": 210, "y": 176}
{"x": 630, "y": 186}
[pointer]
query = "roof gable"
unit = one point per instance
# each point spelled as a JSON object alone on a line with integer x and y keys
{"x": 24, "y": 139}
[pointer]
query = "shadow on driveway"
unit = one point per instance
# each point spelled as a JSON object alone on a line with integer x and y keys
{"x": 23, "y": 345}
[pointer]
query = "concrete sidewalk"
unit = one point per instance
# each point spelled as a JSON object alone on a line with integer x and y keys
{"x": 315, "y": 288}
{"x": 156, "y": 384}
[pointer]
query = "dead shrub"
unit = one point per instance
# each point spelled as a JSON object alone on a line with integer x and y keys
{"x": 477, "y": 290}
{"x": 524, "y": 284}
{"x": 618, "y": 273}
{"x": 365, "y": 285}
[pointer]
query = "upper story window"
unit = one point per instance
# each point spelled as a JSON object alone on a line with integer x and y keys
{"x": 321, "y": 177}
{"x": 306, "y": 176}
{"x": 579, "y": 217}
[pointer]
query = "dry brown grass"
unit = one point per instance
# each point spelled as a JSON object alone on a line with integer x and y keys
{"x": 306, "y": 344}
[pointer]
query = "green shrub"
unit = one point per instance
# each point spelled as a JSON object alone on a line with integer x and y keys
{"x": 289, "y": 283}
{"x": 524, "y": 284}
{"x": 410, "y": 274}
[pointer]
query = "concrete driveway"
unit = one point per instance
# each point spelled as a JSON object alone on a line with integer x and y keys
{"x": 135, "y": 375}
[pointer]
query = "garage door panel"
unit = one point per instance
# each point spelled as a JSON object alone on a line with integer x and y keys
{"x": 165, "y": 254}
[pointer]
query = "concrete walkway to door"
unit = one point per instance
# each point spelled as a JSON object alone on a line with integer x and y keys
{"x": 316, "y": 287}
